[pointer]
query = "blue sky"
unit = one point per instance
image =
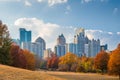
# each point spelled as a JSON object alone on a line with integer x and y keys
{"x": 49, "y": 18}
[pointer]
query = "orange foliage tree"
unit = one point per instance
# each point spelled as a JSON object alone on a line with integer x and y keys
{"x": 114, "y": 62}
{"x": 30, "y": 59}
{"x": 18, "y": 59}
{"x": 53, "y": 61}
{"x": 101, "y": 61}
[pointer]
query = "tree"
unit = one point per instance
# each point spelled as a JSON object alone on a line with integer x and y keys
{"x": 53, "y": 62}
{"x": 86, "y": 64}
{"x": 101, "y": 61}
{"x": 68, "y": 59}
{"x": 30, "y": 59}
{"x": 49, "y": 63}
{"x": 18, "y": 59}
{"x": 5, "y": 44}
{"x": 114, "y": 62}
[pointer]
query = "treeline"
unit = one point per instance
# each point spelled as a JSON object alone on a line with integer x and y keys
{"x": 103, "y": 62}
{"x": 11, "y": 54}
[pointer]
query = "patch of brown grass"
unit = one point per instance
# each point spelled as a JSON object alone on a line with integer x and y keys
{"x": 11, "y": 73}
{"x": 82, "y": 76}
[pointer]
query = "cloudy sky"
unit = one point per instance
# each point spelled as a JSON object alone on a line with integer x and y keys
{"x": 49, "y": 18}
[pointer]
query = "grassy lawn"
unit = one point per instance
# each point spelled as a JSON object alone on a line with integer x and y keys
{"x": 11, "y": 73}
{"x": 82, "y": 76}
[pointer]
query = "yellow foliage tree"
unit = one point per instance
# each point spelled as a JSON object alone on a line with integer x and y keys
{"x": 68, "y": 59}
{"x": 30, "y": 59}
{"x": 114, "y": 62}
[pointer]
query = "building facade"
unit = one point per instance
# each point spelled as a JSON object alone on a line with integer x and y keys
{"x": 25, "y": 36}
{"x": 80, "y": 40}
{"x": 47, "y": 53}
{"x": 60, "y": 48}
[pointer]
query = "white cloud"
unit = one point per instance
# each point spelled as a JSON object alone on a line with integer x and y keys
{"x": 110, "y": 33}
{"x": 90, "y": 33}
{"x": 87, "y": 1}
{"x": 115, "y": 10}
{"x": 104, "y": 0}
{"x": 68, "y": 9}
{"x": 40, "y": 0}
{"x": 118, "y": 33}
{"x": 53, "y": 2}
{"x": 9, "y": 0}
{"x": 27, "y": 3}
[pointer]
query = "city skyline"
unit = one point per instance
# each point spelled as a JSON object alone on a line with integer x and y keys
{"x": 46, "y": 18}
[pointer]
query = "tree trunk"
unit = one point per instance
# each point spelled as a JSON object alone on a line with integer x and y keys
{"x": 119, "y": 76}
{"x": 69, "y": 67}
{"x": 102, "y": 71}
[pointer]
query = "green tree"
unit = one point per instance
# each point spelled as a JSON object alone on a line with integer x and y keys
{"x": 5, "y": 44}
{"x": 114, "y": 62}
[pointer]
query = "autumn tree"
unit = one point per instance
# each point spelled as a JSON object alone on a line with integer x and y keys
{"x": 53, "y": 61}
{"x": 68, "y": 59}
{"x": 85, "y": 64}
{"x": 5, "y": 44}
{"x": 114, "y": 62}
{"x": 49, "y": 63}
{"x": 30, "y": 59}
{"x": 101, "y": 61}
{"x": 18, "y": 59}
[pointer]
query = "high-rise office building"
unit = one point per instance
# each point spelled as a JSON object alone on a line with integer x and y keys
{"x": 41, "y": 46}
{"x": 47, "y": 53}
{"x": 36, "y": 47}
{"x": 92, "y": 48}
{"x": 71, "y": 47}
{"x": 104, "y": 47}
{"x": 61, "y": 40}
{"x": 25, "y": 36}
{"x": 84, "y": 46}
{"x": 60, "y": 48}
{"x": 80, "y": 40}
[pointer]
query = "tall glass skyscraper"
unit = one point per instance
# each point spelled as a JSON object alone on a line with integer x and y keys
{"x": 80, "y": 40}
{"x": 60, "y": 47}
{"x": 41, "y": 46}
{"x": 25, "y": 36}
{"x": 84, "y": 46}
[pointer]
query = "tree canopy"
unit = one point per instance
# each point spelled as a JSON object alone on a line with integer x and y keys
{"x": 5, "y": 44}
{"x": 114, "y": 62}
{"x": 101, "y": 60}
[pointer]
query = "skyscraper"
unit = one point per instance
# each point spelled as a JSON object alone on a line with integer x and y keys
{"x": 71, "y": 47}
{"x": 61, "y": 40}
{"x": 41, "y": 46}
{"x": 84, "y": 46}
{"x": 47, "y": 53}
{"x": 104, "y": 47}
{"x": 60, "y": 47}
{"x": 80, "y": 40}
{"x": 25, "y": 36}
{"x": 92, "y": 48}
